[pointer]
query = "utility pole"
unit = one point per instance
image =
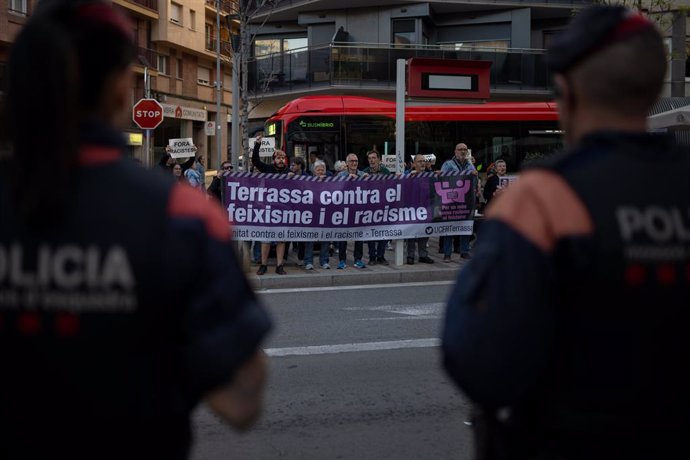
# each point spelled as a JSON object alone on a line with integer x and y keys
{"x": 219, "y": 89}
{"x": 235, "y": 149}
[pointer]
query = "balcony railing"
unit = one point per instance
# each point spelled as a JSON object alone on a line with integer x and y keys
{"x": 150, "y": 4}
{"x": 147, "y": 57}
{"x": 374, "y": 66}
{"x": 225, "y": 47}
{"x": 285, "y": 4}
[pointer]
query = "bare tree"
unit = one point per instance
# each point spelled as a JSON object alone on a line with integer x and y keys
{"x": 245, "y": 11}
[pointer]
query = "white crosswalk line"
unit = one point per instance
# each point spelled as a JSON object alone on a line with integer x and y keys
{"x": 352, "y": 347}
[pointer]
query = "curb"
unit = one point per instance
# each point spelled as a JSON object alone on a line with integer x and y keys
{"x": 298, "y": 277}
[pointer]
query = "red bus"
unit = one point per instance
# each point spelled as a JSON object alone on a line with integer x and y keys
{"x": 333, "y": 126}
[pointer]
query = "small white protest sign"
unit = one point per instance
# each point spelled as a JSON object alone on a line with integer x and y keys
{"x": 181, "y": 148}
{"x": 268, "y": 146}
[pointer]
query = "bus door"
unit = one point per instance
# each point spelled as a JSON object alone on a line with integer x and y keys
{"x": 315, "y": 135}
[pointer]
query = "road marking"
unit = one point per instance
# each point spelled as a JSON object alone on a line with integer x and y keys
{"x": 424, "y": 309}
{"x": 346, "y": 288}
{"x": 352, "y": 347}
{"x": 406, "y": 312}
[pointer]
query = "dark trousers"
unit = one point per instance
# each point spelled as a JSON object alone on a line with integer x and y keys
{"x": 342, "y": 250}
{"x": 377, "y": 249}
{"x": 464, "y": 245}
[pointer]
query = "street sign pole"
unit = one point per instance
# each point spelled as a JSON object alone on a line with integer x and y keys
{"x": 399, "y": 137}
{"x": 147, "y": 132}
{"x": 147, "y": 114}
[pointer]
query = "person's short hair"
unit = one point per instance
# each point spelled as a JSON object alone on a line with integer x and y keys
{"x": 378, "y": 155}
{"x": 298, "y": 161}
{"x": 614, "y": 58}
{"x": 339, "y": 165}
{"x": 500, "y": 162}
{"x": 319, "y": 163}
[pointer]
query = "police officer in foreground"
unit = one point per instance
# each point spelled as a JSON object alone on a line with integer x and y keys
{"x": 569, "y": 328}
{"x": 122, "y": 304}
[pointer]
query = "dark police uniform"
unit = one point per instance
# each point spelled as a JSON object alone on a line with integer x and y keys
{"x": 590, "y": 345}
{"x": 579, "y": 324}
{"x": 115, "y": 323}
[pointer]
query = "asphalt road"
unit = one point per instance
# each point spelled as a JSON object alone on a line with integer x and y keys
{"x": 354, "y": 374}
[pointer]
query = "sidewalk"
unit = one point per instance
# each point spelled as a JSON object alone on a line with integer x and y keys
{"x": 298, "y": 277}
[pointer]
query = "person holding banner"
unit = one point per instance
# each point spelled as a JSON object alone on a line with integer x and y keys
{"x": 352, "y": 172}
{"x": 459, "y": 164}
{"x": 319, "y": 172}
{"x": 377, "y": 249}
{"x": 126, "y": 306}
{"x": 418, "y": 167}
{"x": 280, "y": 165}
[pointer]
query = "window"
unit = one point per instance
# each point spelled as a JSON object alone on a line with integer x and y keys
{"x": 176, "y": 13}
{"x": 227, "y": 82}
{"x": 18, "y": 7}
{"x": 284, "y": 59}
{"x": 203, "y": 76}
{"x": 209, "y": 37}
{"x": 162, "y": 64}
{"x": 404, "y": 31}
{"x": 192, "y": 19}
{"x": 178, "y": 68}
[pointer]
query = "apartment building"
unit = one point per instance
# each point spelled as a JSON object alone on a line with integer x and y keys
{"x": 176, "y": 64}
{"x": 326, "y": 47}
{"x": 305, "y": 47}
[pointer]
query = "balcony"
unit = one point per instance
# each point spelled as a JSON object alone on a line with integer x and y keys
{"x": 226, "y": 6}
{"x": 225, "y": 46}
{"x": 373, "y": 67}
{"x": 147, "y": 57}
{"x": 150, "y": 4}
{"x": 144, "y": 7}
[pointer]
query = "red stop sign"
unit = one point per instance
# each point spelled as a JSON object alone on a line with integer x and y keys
{"x": 147, "y": 113}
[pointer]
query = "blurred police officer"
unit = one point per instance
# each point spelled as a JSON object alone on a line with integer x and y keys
{"x": 569, "y": 328}
{"x": 121, "y": 307}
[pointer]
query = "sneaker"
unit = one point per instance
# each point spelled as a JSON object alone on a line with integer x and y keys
{"x": 426, "y": 260}
{"x": 466, "y": 255}
{"x": 446, "y": 258}
{"x": 309, "y": 266}
{"x": 359, "y": 264}
{"x": 410, "y": 261}
{"x": 262, "y": 270}
{"x": 325, "y": 266}
{"x": 341, "y": 265}
{"x": 382, "y": 261}
{"x": 372, "y": 261}
{"x": 280, "y": 270}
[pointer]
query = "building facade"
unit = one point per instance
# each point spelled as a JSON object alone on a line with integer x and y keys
{"x": 306, "y": 46}
{"x": 176, "y": 65}
{"x": 301, "y": 47}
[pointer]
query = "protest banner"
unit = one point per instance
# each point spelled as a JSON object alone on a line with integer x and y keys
{"x": 274, "y": 207}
